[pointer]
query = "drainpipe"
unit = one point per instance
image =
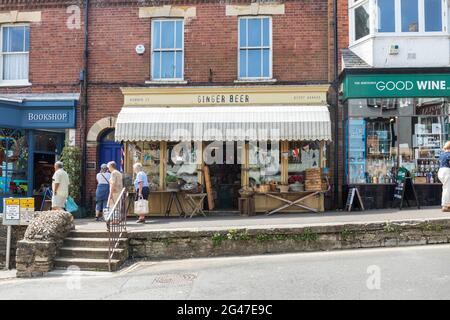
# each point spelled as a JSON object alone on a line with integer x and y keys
{"x": 337, "y": 199}
{"x": 84, "y": 104}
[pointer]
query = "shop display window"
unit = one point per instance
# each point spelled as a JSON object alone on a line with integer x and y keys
{"x": 147, "y": 153}
{"x": 182, "y": 161}
{"x": 302, "y": 155}
{"x": 377, "y": 146}
{"x": 264, "y": 163}
{"x": 14, "y": 162}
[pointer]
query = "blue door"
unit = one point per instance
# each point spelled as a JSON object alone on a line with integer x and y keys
{"x": 109, "y": 149}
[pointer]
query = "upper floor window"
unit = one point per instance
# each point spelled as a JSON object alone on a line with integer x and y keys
{"x": 14, "y": 55}
{"x": 255, "y": 48}
{"x": 167, "y": 50}
{"x": 400, "y": 16}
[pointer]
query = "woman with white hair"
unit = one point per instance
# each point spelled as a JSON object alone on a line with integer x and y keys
{"x": 115, "y": 184}
{"x": 142, "y": 187}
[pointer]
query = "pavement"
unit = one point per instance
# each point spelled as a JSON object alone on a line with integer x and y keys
{"x": 217, "y": 222}
{"x": 393, "y": 273}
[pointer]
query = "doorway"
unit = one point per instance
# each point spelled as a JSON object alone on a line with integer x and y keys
{"x": 225, "y": 174}
{"x": 109, "y": 150}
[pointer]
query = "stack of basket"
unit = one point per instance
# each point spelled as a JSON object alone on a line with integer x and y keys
{"x": 313, "y": 180}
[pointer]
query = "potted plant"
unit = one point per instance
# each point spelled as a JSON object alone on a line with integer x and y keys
{"x": 296, "y": 183}
{"x": 172, "y": 183}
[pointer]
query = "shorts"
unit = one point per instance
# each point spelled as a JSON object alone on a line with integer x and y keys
{"x": 58, "y": 201}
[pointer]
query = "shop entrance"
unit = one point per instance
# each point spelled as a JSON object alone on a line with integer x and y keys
{"x": 225, "y": 172}
{"x": 109, "y": 149}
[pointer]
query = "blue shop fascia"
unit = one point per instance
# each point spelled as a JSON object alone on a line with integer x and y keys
{"x": 33, "y": 130}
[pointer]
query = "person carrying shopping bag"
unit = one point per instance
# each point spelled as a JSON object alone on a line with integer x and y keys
{"x": 444, "y": 176}
{"x": 142, "y": 192}
{"x": 102, "y": 192}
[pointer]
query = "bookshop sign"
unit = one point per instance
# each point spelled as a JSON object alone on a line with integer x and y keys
{"x": 396, "y": 85}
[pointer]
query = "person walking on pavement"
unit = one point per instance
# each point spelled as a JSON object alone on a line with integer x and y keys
{"x": 60, "y": 187}
{"x": 102, "y": 192}
{"x": 141, "y": 186}
{"x": 115, "y": 188}
{"x": 444, "y": 176}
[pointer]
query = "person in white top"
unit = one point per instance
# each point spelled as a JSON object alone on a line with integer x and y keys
{"x": 60, "y": 187}
{"x": 102, "y": 192}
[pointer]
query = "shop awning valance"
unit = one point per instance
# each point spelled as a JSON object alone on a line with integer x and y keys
{"x": 224, "y": 123}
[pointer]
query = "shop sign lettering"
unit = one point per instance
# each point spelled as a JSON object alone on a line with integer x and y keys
{"x": 47, "y": 117}
{"x": 222, "y": 98}
{"x": 397, "y": 85}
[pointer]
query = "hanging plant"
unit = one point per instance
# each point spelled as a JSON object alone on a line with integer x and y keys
{"x": 71, "y": 157}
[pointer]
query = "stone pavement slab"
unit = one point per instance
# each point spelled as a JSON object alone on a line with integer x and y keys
{"x": 289, "y": 220}
{"x": 7, "y": 274}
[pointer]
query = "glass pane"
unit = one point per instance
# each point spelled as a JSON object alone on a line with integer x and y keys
{"x": 156, "y": 34}
{"x": 5, "y": 38}
{"x": 266, "y": 32}
{"x": 254, "y": 32}
{"x": 266, "y": 63}
{"x": 242, "y": 63}
{"x": 168, "y": 34}
{"x": 168, "y": 65}
{"x": 243, "y": 32}
{"x": 182, "y": 161}
{"x": 386, "y": 15}
{"x": 15, "y": 66}
{"x": 179, "y": 34}
{"x": 156, "y": 67}
{"x": 433, "y": 15}
{"x": 14, "y": 162}
{"x": 362, "y": 21}
{"x": 254, "y": 63}
{"x": 46, "y": 142}
{"x": 264, "y": 163}
{"x": 27, "y": 39}
{"x": 179, "y": 65}
{"x": 410, "y": 15}
{"x": 16, "y": 39}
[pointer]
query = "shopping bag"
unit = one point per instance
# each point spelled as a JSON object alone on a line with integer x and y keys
{"x": 71, "y": 206}
{"x": 141, "y": 206}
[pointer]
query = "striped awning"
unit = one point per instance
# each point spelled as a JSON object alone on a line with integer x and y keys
{"x": 225, "y": 123}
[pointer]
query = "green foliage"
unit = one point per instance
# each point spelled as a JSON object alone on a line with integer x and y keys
{"x": 346, "y": 234}
{"x": 170, "y": 179}
{"x": 390, "y": 227}
{"x": 71, "y": 157}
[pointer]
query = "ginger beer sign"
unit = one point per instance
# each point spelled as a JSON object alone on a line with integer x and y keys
{"x": 396, "y": 85}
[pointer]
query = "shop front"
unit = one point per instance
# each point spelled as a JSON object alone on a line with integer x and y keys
{"x": 32, "y": 134}
{"x": 249, "y": 138}
{"x": 394, "y": 121}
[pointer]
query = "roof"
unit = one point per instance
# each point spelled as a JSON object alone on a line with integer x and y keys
{"x": 23, "y": 97}
{"x": 351, "y": 60}
{"x": 227, "y": 123}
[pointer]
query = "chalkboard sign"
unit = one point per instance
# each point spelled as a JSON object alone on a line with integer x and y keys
{"x": 404, "y": 189}
{"x": 353, "y": 194}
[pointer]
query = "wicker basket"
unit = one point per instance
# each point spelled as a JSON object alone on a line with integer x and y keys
{"x": 315, "y": 185}
{"x": 313, "y": 174}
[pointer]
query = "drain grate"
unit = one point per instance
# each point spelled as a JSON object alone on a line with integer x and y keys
{"x": 175, "y": 279}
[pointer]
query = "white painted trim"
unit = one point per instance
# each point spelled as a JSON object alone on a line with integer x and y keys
{"x": 13, "y": 83}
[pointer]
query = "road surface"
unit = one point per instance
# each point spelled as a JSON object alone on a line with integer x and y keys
{"x": 394, "y": 273}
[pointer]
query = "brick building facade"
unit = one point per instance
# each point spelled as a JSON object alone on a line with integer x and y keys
{"x": 302, "y": 52}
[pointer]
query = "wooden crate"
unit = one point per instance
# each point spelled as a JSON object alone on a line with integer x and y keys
{"x": 315, "y": 185}
{"x": 313, "y": 174}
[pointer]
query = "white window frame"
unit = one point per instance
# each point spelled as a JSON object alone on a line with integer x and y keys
{"x": 374, "y": 21}
{"x": 171, "y": 50}
{"x": 270, "y": 77}
{"x": 7, "y": 83}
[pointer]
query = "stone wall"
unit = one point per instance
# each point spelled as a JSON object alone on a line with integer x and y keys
{"x": 195, "y": 244}
{"x": 17, "y": 234}
{"x": 43, "y": 237}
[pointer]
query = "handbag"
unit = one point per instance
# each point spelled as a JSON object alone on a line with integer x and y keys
{"x": 141, "y": 206}
{"x": 71, "y": 206}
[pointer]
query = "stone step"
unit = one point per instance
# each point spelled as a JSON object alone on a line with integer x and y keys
{"x": 90, "y": 234}
{"x": 90, "y": 253}
{"x": 87, "y": 264}
{"x": 92, "y": 242}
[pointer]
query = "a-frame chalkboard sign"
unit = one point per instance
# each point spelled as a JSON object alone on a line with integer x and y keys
{"x": 354, "y": 200}
{"x": 404, "y": 189}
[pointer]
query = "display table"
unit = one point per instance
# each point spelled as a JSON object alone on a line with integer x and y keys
{"x": 195, "y": 202}
{"x": 302, "y": 201}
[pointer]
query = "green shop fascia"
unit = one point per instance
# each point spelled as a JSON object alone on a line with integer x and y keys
{"x": 394, "y": 120}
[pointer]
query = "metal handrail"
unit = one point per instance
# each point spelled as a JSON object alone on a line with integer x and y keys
{"x": 116, "y": 222}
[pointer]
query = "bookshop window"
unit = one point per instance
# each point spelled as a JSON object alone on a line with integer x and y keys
{"x": 147, "y": 153}
{"x": 14, "y": 162}
{"x": 302, "y": 155}
{"x": 264, "y": 162}
{"x": 182, "y": 160}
